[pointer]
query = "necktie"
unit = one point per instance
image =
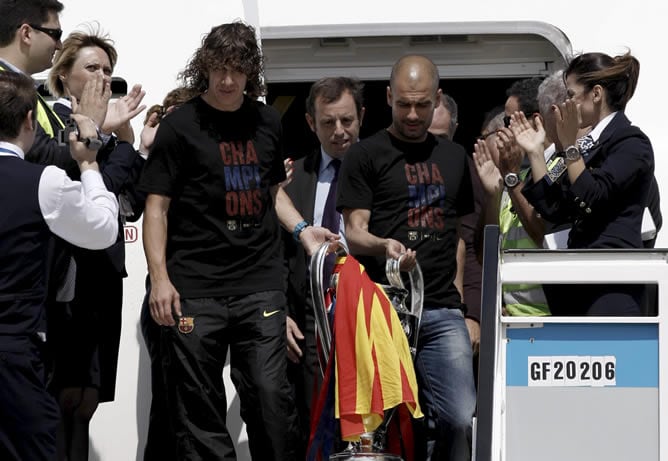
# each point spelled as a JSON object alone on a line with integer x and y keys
{"x": 331, "y": 219}
{"x": 585, "y": 144}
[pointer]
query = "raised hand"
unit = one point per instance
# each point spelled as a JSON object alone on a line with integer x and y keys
{"x": 527, "y": 137}
{"x": 147, "y": 135}
{"x": 124, "y": 109}
{"x": 489, "y": 174}
{"x": 94, "y": 99}
{"x": 568, "y": 119}
{"x": 288, "y": 164}
{"x": 510, "y": 153}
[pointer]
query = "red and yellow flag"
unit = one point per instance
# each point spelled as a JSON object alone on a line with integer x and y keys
{"x": 374, "y": 369}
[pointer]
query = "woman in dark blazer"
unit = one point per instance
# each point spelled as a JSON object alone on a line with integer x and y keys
{"x": 603, "y": 190}
{"x": 85, "y": 335}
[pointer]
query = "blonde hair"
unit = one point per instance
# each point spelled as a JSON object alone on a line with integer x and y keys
{"x": 65, "y": 57}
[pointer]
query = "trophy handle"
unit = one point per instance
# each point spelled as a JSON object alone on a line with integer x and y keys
{"x": 318, "y": 290}
{"x": 393, "y": 274}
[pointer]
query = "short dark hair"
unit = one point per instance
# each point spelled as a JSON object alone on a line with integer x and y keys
{"x": 14, "y": 13}
{"x": 526, "y": 92}
{"x": 233, "y": 44}
{"x": 17, "y": 98}
{"x": 330, "y": 89}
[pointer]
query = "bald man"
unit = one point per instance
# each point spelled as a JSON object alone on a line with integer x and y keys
{"x": 402, "y": 192}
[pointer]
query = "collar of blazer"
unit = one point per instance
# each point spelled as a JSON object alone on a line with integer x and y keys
{"x": 312, "y": 161}
{"x": 618, "y": 122}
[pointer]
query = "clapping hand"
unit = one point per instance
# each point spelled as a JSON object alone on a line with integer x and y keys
{"x": 124, "y": 109}
{"x": 510, "y": 152}
{"x": 528, "y": 138}
{"x": 489, "y": 174}
{"x": 568, "y": 119}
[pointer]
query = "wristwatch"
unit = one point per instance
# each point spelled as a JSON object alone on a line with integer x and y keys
{"x": 572, "y": 153}
{"x": 511, "y": 180}
{"x": 299, "y": 228}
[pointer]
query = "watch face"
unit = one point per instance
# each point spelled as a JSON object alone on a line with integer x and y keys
{"x": 511, "y": 180}
{"x": 572, "y": 153}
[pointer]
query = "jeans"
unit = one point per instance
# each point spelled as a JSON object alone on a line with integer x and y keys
{"x": 444, "y": 366}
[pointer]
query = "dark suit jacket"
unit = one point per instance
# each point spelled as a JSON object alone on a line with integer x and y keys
{"x": 302, "y": 192}
{"x": 606, "y": 203}
{"x": 45, "y": 149}
{"x": 120, "y": 167}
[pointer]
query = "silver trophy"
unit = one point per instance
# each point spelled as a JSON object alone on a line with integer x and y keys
{"x": 371, "y": 445}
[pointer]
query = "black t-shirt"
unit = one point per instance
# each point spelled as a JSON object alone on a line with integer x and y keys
{"x": 217, "y": 168}
{"x": 415, "y": 192}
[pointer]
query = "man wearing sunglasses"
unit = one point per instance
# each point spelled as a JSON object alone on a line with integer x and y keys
{"x": 30, "y": 35}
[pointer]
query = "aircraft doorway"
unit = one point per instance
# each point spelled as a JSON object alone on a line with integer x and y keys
{"x": 477, "y": 63}
{"x": 474, "y": 97}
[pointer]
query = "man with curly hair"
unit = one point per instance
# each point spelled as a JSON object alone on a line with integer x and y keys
{"x": 212, "y": 244}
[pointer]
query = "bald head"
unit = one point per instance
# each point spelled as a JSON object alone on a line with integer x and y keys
{"x": 413, "y": 68}
{"x": 413, "y": 94}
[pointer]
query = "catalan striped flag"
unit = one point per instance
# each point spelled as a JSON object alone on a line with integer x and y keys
{"x": 374, "y": 368}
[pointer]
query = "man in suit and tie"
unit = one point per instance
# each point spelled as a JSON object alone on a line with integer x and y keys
{"x": 334, "y": 112}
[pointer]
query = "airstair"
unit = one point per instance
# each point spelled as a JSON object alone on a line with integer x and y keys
{"x": 572, "y": 388}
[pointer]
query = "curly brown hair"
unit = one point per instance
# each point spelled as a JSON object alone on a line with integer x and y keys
{"x": 233, "y": 45}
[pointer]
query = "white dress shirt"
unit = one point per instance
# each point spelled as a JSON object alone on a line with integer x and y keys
{"x": 325, "y": 176}
{"x": 82, "y": 213}
{"x": 595, "y": 133}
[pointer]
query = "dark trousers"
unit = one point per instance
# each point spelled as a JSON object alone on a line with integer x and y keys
{"x": 160, "y": 444}
{"x": 305, "y": 374}
{"x": 194, "y": 354}
{"x": 28, "y": 413}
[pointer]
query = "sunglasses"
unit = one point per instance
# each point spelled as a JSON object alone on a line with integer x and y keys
{"x": 55, "y": 34}
{"x": 506, "y": 119}
{"x": 482, "y": 137}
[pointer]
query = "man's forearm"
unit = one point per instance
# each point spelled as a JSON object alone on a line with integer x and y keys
{"x": 287, "y": 214}
{"x": 361, "y": 241}
{"x": 531, "y": 222}
{"x": 155, "y": 242}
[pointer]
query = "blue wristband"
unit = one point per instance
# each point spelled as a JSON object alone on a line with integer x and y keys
{"x": 298, "y": 230}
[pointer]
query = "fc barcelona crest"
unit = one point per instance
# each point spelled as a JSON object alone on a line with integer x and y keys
{"x": 186, "y": 324}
